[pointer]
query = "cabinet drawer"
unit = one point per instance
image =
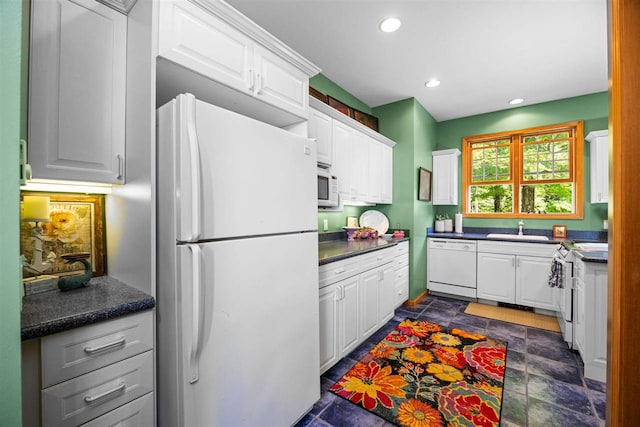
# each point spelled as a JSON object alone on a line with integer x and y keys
{"x": 138, "y": 413}
{"x": 336, "y": 271}
{"x": 401, "y": 291}
{"x": 400, "y": 261}
{"x": 91, "y": 395}
{"x": 376, "y": 258}
{"x": 402, "y": 248}
{"x": 72, "y": 353}
{"x": 401, "y": 274}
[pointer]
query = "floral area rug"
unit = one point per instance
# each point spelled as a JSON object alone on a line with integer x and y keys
{"x": 423, "y": 374}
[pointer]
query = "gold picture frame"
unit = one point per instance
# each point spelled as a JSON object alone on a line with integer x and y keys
{"x": 559, "y": 231}
{"x": 424, "y": 184}
{"x": 76, "y": 226}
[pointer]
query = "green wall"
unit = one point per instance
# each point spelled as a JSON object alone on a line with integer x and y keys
{"x": 592, "y": 109}
{"x": 321, "y": 83}
{"x": 414, "y": 130}
{"x": 11, "y": 22}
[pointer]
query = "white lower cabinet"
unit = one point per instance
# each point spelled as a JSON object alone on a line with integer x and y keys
{"x": 369, "y": 303}
{"x": 96, "y": 375}
{"x": 401, "y": 273}
{"x": 532, "y": 276}
{"x": 515, "y": 273}
{"x": 357, "y": 297}
{"x": 386, "y": 294}
{"x": 590, "y": 317}
{"x": 496, "y": 276}
{"x": 339, "y": 331}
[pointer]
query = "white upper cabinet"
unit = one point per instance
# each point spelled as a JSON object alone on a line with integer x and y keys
{"x": 375, "y": 171}
{"x": 279, "y": 83}
{"x": 445, "y": 177}
{"x": 77, "y": 88}
{"x": 209, "y": 49}
{"x": 361, "y": 158}
{"x": 320, "y": 129}
{"x": 386, "y": 191}
{"x": 359, "y": 164}
{"x": 599, "y": 152}
{"x": 344, "y": 148}
{"x": 203, "y": 43}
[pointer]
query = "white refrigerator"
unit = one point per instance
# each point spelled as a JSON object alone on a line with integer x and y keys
{"x": 237, "y": 293}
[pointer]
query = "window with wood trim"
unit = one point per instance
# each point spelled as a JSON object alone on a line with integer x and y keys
{"x": 535, "y": 172}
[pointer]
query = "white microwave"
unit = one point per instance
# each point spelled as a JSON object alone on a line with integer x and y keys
{"x": 328, "y": 196}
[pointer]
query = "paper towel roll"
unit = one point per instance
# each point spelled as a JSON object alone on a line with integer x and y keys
{"x": 459, "y": 223}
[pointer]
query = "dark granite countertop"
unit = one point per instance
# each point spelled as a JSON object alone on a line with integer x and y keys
{"x": 336, "y": 250}
{"x": 480, "y": 233}
{"x": 483, "y": 236}
{"x": 102, "y": 299}
{"x": 593, "y": 256}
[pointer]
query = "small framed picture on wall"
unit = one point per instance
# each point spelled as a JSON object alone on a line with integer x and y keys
{"x": 424, "y": 185}
{"x": 559, "y": 231}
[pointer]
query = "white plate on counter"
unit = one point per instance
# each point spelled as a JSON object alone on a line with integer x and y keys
{"x": 376, "y": 220}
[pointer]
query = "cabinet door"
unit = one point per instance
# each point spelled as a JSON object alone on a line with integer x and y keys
{"x": 329, "y": 354}
{"x": 343, "y": 143}
{"x": 368, "y": 302}
{"x": 360, "y": 166}
{"x": 386, "y": 191}
{"x": 320, "y": 126}
{"x": 595, "y": 326}
{"x": 203, "y": 43}
{"x": 445, "y": 178}
{"x": 375, "y": 171}
{"x": 532, "y": 287}
{"x": 77, "y": 91}
{"x": 349, "y": 315}
{"x": 386, "y": 293}
{"x": 579, "y": 307}
{"x": 280, "y": 83}
{"x": 496, "y": 277}
{"x": 599, "y": 152}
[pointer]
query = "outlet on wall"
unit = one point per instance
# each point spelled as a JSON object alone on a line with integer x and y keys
{"x": 325, "y": 224}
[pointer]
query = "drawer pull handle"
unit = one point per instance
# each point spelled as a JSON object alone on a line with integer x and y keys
{"x": 117, "y": 343}
{"x": 339, "y": 271}
{"x": 120, "y": 387}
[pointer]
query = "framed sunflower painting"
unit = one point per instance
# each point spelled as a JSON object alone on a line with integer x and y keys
{"x": 75, "y": 225}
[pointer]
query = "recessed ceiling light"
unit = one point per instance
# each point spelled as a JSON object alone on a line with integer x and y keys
{"x": 432, "y": 83}
{"x": 389, "y": 25}
{"x": 516, "y": 101}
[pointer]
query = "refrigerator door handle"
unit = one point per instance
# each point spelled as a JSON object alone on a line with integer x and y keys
{"x": 194, "y": 163}
{"x": 196, "y": 312}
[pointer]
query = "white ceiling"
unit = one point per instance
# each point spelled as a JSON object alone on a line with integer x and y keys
{"x": 485, "y": 52}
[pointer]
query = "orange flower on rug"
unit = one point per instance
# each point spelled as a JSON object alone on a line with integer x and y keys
{"x": 423, "y": 375}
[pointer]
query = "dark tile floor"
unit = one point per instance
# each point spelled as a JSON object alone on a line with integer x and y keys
{"x": 544, "y": 382}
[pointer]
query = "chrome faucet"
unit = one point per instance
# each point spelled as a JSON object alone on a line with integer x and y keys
{"x": 520, "y": 225}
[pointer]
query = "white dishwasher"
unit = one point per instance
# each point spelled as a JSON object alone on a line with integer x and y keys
{"x": 451, "y": 266}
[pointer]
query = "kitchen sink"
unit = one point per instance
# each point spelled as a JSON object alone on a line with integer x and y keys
{"x": 592, "y": 246}
{"x": 518, "y": 236}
